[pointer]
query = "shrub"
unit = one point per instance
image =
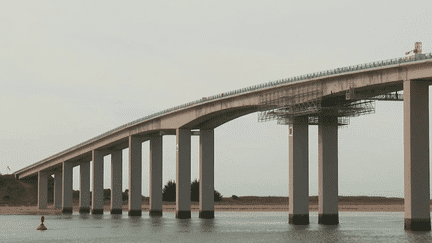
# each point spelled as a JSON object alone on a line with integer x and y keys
{"x": 125, "y": 195}
{"x": 169, "y": 192}
{"x": 107, "y": 194}
{"x": 195, "y": 191}
{"x": 234, "y": 197}
{"x": 217, "y": 196}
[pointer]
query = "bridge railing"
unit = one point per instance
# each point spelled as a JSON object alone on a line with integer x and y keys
{"x": 320, "y": 74}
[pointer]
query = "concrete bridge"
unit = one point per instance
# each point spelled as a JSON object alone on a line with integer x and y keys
{"x": 323, "y": 98}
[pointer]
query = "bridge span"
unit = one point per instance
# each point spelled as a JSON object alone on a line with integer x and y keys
{"x": 325, "y": 99}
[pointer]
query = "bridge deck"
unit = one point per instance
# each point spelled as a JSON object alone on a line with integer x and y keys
{"x": 384, "y": 76}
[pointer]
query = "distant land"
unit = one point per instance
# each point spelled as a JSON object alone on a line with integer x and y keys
{"x": 15, "y": 192}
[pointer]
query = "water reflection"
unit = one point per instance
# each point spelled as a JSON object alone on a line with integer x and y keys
{"x": 331, "y": 233}
{"x": 299, "y": 233}
{"x": 329, "y": 228}
{"x": 207, "y": 225}
{"x": 418, "y": 236}
{"x": 84, "y": 216}
{"x": 299, "y": 227}
{"x": 156, "y": 221}
{"x": 183, "y": 225}
{"x": 66, "y": 216}
{"x": 97, "y": 216}
{"x": 135, "y": 221}
{"x": 226, "y": 227}
{"x": 116, "y": 220}
{"x": 116, "y": 217}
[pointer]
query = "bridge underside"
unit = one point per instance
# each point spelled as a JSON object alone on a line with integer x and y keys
{"x": 216, "y": 119}
{"x": 416, "y": 152}
{"x": 285, "y": 106}
{"x": 328, "y": 103}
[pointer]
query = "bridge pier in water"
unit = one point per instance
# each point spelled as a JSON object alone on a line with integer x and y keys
{"x": 155, "y": 203}
{"x": 116, "y": 182}
{"x": 416, "y": 156}
{"x": 84, "y": 194}
{"x": 42, "y": 190}
{"x": 348, "y": 85}
{"x": 206, "y": 174}
{"x": 299, "y": 171}
{"x": 97, "y": 190}
{"x": 328, "y": 170}
{"x": 135, "y": 176}
{"x": 58, "y": 189}
{"x": 67, "y": 187}
{"x": 183, "y": 173}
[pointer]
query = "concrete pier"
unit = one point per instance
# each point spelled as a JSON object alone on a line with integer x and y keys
{"x": 97, "y": 190}
{"x": 299, "y": 171}
{"x": 183, "y": 173}
{"x": 416, "y": 155}
{"x": 42, "y": 190}
{"x": 58, "y": 189}
{"x": 328, "y": 170}
{"x": 67, "y": 188}
{"x": 84, "y": 196}
{"x": 155, "y": 176}
{"x": 116, "y": 182}
{"x": 206, "y": 174}
{"x": 135, "y": 176}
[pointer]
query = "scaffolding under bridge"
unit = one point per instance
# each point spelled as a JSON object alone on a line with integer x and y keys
{"x": 284, "y": 104}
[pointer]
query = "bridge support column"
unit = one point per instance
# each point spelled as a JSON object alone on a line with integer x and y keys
{"x": 116, "y": 182}
{"x": 206, "y": 174}
{"x": 57, "y": 189}
{"x": 299, "y": 172}
{"x": 42, "y": 190}
{"x": 328, "y": 170}
{"x": 135, "y": 176}
{"x": 416, "y": 155}
{"x": 183, "y": 173}
{"x": 97, "y": 192}
{"x": 84, "y": 199}
{"x": 155, "y": 176}
{"x": 67, "y": 188}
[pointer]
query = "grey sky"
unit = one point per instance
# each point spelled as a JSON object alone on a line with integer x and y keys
{"x": 70, "y": 71}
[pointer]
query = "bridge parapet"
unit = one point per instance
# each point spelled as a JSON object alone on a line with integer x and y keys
{"x": 395, "y": 62}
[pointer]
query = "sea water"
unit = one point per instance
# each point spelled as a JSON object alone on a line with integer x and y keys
{"x": 225, "y": 227}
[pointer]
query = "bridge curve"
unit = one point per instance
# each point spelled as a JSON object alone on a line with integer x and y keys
{"x": 235, "y": 105}
{"x": 334, "y": 87}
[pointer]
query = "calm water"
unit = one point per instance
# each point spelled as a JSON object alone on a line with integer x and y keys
{"x": 226, "y": 227}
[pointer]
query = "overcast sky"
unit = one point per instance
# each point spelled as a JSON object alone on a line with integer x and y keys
{"x": 70, "y": 71}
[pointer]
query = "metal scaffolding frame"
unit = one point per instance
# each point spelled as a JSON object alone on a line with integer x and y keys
{"x": 390, "y": 96}
{"x": 283, "y": 105}
{"x": 351, "y": 94}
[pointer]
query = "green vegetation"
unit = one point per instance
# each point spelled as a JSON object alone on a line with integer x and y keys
{"x": 14, "y": 192}
{"x": 169, "y": 192}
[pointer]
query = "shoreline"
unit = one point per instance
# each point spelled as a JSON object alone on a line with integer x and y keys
{"x": 354, "y": 207}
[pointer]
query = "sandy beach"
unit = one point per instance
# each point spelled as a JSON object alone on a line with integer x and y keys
{"x": 238, "y": 204}
{"x": 33, "y": 210}
{"x": 20, "y": 197}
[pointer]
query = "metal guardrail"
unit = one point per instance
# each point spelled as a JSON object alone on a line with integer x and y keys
{"x": 327, "y": 73}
